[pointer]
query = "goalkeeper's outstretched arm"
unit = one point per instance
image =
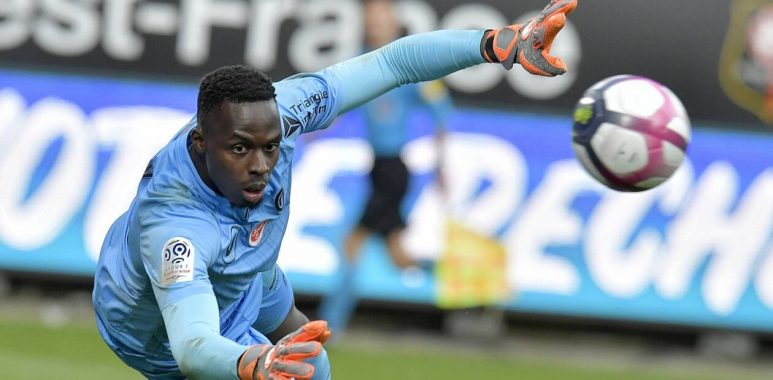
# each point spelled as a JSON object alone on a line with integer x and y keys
{"x": 433, "y": 55}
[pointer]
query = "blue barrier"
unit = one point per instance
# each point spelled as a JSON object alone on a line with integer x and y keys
{"x": 697, "y": 250}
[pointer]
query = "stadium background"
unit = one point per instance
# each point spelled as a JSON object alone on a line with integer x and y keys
{"x": 90, "y": 89}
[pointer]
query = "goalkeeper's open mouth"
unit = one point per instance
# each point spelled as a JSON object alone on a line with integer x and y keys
{"x": 253, "y": 193}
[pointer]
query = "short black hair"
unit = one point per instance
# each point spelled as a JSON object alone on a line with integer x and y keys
{"x": 235, "y": 83}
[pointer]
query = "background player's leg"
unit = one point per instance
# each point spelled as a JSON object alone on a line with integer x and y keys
{"x": 338, "y": 306}
{"x": 396, "y": 251}
{"x": 394, "y": 184}
{"x": 354, "y": 242}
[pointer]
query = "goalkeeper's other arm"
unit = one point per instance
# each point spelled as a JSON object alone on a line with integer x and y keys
{"x": 432, "y": 55}
{"x": 285, "y": 360}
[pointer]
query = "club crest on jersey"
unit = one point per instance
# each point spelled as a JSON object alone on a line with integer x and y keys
{"x": 746, "y": 62}
{"x": 257, "y": 233}
{"x": 178, "y": 256}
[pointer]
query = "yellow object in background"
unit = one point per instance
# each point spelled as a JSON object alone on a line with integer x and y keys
{"x": 471, "y": 271}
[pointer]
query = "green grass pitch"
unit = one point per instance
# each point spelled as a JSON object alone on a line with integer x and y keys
{"x": 30, "y": 350}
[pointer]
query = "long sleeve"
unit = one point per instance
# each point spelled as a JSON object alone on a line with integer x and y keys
{"x": 411, "y": 59}
{"x": 192, "y": 325}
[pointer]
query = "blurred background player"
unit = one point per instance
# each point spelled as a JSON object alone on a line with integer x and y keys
{"x": 387, "y": 133}
{"x": 386, "y": 122}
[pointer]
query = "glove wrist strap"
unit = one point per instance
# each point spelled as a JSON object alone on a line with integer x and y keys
{"x": 501, "y": 45}
{"x": 487, "y": 46}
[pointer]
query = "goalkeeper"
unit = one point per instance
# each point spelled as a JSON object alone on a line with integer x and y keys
{"x": 187, "y": 283}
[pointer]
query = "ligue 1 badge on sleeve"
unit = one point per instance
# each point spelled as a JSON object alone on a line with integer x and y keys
{"x": 177, "y": 261}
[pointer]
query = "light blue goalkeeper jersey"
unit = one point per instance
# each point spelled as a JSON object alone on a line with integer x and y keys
{"x": 194, "y": 241}
{"x": 180, "y": 278}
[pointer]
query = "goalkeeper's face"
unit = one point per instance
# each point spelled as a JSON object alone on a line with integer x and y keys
{"x": 240, "y": 146}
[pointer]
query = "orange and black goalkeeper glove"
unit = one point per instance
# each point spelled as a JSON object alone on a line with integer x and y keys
{"x": 529, "y": 44}
{"x": 285, "y": 360}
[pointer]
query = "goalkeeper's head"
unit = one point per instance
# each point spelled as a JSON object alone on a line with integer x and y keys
{"x": 236, "y": 143}
{"x": 237, "y": 84}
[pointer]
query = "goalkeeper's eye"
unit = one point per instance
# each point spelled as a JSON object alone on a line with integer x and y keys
{"x": 239, "y": 149}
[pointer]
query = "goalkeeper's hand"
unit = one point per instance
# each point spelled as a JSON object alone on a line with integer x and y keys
{"x": 529, "y": 44}
{"x": 285, "y": 360}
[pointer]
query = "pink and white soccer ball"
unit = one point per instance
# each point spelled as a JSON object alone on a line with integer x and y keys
{"x": 630, "y": 132}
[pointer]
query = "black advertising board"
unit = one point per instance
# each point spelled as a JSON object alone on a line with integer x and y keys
{"x": 716, "y": 55}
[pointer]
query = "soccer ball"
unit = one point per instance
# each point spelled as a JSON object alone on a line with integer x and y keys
{"x": 630, "y": 132}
